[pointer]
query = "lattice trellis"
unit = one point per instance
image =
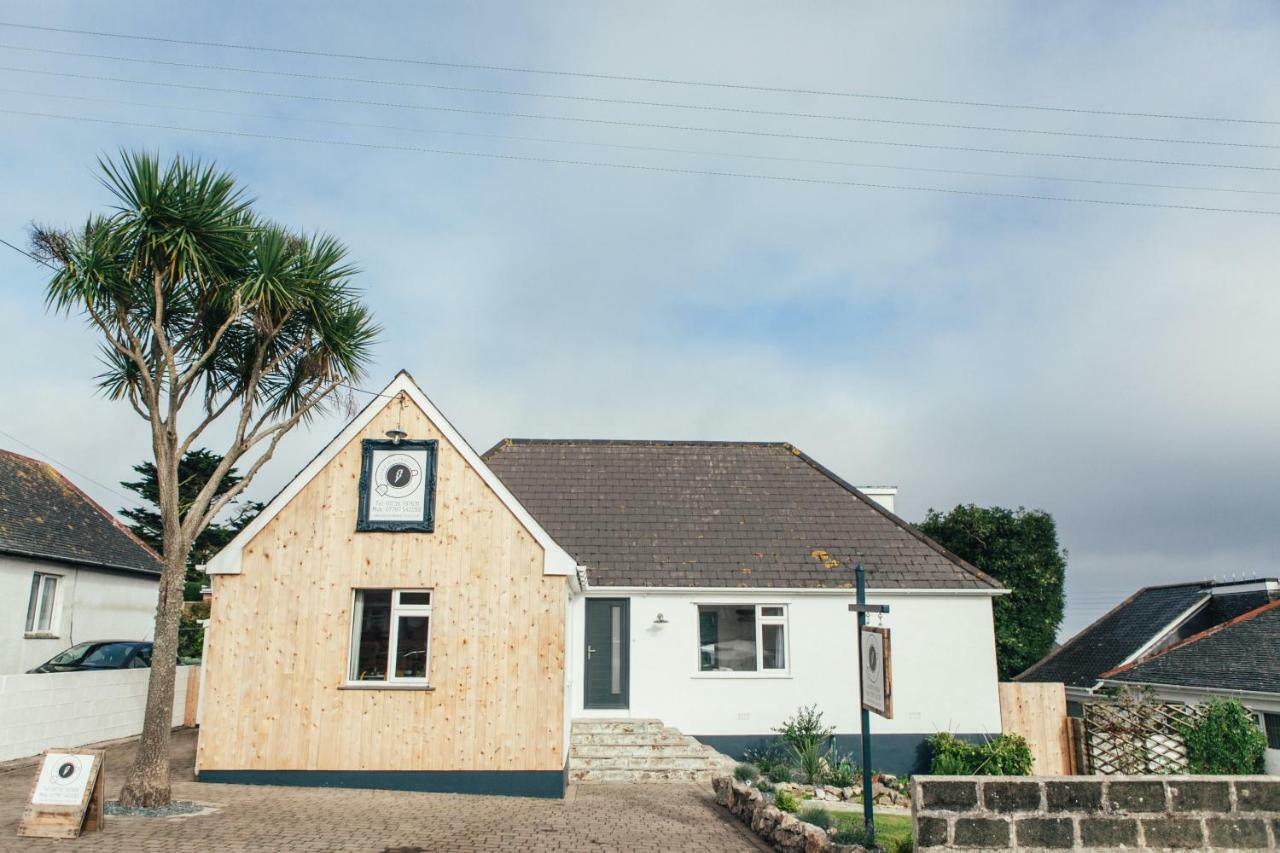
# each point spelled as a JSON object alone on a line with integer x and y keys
{"x": 1132, "y": 734}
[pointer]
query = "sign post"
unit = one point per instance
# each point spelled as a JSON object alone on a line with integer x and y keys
{"x": 67, "y": 796}
{"x": 881, "y": 659}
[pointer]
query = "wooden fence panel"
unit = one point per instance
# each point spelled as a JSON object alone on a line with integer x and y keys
{"x": 1038, "y": 712}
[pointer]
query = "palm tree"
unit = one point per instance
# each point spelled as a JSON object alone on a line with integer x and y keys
{"x": 208, "y": 314}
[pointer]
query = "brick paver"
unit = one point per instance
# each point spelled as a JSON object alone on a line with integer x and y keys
{"x": 602, "y": 818}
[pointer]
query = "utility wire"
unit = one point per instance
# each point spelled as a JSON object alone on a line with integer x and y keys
{"x": 651, "y": 148}
{"x": 629, "y": 102}
{"x": 640, "y": 124}
{"x": 635, "y": 167}
{"x": 63, "y": 465}
{"x": 634, "y": 78}
{"x": 29, "y": 255}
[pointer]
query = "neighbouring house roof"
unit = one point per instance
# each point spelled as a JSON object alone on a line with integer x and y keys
{"x": 1240, "y": 654}
{"x": 717, "y": 514}
{"x": 43, "y": 515}
{"x": 1149, "y": 621}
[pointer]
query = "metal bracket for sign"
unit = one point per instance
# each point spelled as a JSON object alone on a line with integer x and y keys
{"x": 868, "y": 608}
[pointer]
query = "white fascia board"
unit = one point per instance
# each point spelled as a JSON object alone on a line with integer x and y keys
{"x": 1165, "y": 631}
{"x": 1198, "y": 691}
{"x": 781, "y": 590}
{"x": 556, "y": 561}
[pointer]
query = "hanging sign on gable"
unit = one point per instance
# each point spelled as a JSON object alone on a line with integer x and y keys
{"x": 397, "y": 485}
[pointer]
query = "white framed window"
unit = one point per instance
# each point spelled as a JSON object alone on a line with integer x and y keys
{"x": 390, "y": 636}
{"x": 42, "y": 606}
{"x": 743, "y": 638}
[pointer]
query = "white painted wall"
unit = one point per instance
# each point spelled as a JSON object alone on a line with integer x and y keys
{"x": 92, "y": 605}
{"x": 944, "y": 668}
{"x": 75, "y": 708}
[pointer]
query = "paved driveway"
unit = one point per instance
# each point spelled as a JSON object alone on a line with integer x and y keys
{"x": 257, "y": 817}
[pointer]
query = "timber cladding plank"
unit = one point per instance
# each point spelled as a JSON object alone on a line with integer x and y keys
{"x": 280, "y": 633}
{"x": 1038, "y": 712}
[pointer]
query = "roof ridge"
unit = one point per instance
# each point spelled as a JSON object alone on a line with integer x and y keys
{"x": 642, "y": 442}
{"x": 898, "y": 520}
{"x": 1195, "y": 638}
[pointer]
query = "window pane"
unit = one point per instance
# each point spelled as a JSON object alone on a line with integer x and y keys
{"x": 770, "y": 611}
{"x": 727, "y": 638}
{"x": 1272, "y": 722}
{"x": 411, "y": 647}
{"x": 372, "y": 636}
{"x": 417, "y": 599}
{"x": 31, "y": 603}
{"x": 46, "y": 603}
{"x": 775, "y": 647}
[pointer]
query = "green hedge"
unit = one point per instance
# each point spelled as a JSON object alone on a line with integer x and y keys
{"x": 1004, "y": 755}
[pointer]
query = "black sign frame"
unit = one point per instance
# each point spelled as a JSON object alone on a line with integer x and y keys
{"x": 427, "y": 523}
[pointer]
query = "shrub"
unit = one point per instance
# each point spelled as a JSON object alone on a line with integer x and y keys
{"x": 779, "y": 773}
{"x": 1004, "y": 755}
{"x": 764, "y": 785}
{"x": 190, "y": 638}
{"x": 805, "y": 729}
{"x": 899, "y": 845}
{"x": 816, "y": 815}
{"x": 811, "y": 764}
{"x": 1224, "y": 739}
{"x": 767, "y": 754}
{"x": 786, "y": 801}
{"x": 850, "y": 834}
{"x": 840, "y": 770}
{"x": 746, "y": 773}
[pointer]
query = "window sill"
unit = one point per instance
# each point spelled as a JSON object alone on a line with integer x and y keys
{"x": 39, "y": 635}
{"x": 384, "y": 685}
{"x": 754, "y": 675}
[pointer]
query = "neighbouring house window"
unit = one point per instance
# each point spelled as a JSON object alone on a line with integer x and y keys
{"x": 41, "y": 612}
{"x": 1271, "y": 722}
{"x": 742, "y": 638}
{"x": 390, "y": 635}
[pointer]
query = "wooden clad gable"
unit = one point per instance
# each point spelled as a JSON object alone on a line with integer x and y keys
{"x": 278, "y": 645}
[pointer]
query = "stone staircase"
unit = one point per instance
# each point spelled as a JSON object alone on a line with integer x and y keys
{"x": 640, "y": 751}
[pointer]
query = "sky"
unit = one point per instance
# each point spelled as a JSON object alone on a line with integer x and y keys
{"x": 1113, "y": 364}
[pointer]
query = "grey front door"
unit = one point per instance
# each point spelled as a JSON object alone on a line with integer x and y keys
{"x": 607, "y": 668}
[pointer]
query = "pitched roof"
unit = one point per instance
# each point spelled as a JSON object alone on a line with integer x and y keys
{"x": 43, "y": 515}
{"x": 717, "y": 514}
{"x": 1123, "y": 631}
{"x": 1148, "y": 622}
{"x": 1241, "y": 654}
{"x": 228, "y": 561}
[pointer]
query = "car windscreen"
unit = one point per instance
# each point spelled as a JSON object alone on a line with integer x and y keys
{"x": 95, "y": 655}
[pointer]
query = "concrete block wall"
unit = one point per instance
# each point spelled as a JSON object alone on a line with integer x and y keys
{"x": 1096, "y": 812}
{"x": 77, "y": 708}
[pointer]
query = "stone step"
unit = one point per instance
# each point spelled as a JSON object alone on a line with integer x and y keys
{"x": 639, "y": 763}
{"x": 642, "y": 750}
{"x": 610, "y": 726}
{"x": 627, "y": 738}
{"x": 607, "y": 776}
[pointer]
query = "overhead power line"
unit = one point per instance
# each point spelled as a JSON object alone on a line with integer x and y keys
{"x": 475, "y": 90}
{"x": 669, "y": 81}
{"x": 650, "y": 148}
{"x": 636, "y": 167}
{"x": 639, "y": 124}
{"x": 63, "y": 465}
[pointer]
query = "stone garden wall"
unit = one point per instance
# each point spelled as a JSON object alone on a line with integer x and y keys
{"x": 1096, "y": 812}
{"x": 784, "y": 831}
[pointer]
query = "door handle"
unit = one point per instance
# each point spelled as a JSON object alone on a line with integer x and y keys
{"x": 590, "y": 651}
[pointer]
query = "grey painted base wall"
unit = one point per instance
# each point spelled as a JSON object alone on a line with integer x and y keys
{"x": 890, "y": 753}
{"x": 507, "y": 783}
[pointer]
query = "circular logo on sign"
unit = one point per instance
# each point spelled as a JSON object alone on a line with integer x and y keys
{"x": 398, "y": 476}
{"x": 873, "y": 659}
{"x": 66, "y": 772}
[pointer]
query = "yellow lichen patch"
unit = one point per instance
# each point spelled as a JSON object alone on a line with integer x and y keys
{"x": 823, "y": 557}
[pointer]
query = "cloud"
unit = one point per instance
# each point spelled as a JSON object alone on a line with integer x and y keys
{"x": 1111, "y": 365}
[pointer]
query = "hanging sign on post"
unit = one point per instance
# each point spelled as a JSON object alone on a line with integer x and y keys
{"x": 877, "y": 671}
{"x": 66, "y": 798}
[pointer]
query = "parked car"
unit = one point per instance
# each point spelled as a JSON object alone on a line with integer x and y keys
{"x": 100, "y": 654}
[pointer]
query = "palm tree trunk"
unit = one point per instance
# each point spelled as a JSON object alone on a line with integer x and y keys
{"x": 147, "y": 784}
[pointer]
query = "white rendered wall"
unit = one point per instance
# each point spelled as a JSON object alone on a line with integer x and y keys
{"x": 75, "y": 708}
{"x": 944, "y": 668}
{"x": 91, "y": 605}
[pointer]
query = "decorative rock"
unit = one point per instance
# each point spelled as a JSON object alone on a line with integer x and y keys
{"x": 849, "y": 793}
{"x": 815, "y": 839}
